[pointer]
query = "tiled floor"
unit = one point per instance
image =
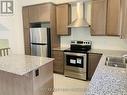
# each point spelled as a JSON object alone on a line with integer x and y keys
{"x": 68, "y": 86}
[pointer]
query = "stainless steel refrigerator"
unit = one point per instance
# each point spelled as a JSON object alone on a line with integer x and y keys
{"x": 40, "y": 40}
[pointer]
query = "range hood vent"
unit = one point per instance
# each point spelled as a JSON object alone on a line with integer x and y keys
{"x": 80, "y": 21}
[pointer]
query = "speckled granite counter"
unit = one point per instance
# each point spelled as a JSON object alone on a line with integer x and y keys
{"x": 22, "y": 64}
{"x": 108, "y": 80}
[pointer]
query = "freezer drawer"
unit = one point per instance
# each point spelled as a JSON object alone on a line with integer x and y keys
{"x": 39, "y": 50}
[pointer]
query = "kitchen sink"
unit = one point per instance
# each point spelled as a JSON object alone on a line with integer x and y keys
{"x": 116, "y": 62}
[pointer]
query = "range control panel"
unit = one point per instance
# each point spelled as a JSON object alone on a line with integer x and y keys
{"x": 86, "y": 42}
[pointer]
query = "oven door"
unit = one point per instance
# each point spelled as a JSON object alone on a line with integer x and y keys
{"x": 75, "y": 61}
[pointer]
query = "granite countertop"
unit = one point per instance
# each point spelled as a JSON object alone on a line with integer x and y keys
{"x": 108, "y": 80}
{"x": 22, "y": 64}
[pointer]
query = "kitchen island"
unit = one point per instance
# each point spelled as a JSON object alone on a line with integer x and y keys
{"x": 26, "y": 75}
{"x": 108, "y": 80}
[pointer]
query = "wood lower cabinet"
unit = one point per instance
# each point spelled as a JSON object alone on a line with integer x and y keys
{"x": 63, "y": 19}
{"x": 28, "y": 84}
{"x": 58, "y": 65}
{"x": 93, "y": 60}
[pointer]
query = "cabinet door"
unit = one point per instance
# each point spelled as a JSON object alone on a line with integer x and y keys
{"x": 44, "y": 12}
{"x": 58, "y": 65}
{"x": 34, "y": 13}
{"x": 26, "y": 36}
{"x": 27, "y": 41}
{"x": 93, "y": 60}
{"x": 39, "y": 13}
{"x": 63, "y": 19}
{"x": 98, "y": 17}
{"x": 25, "y": 12}
{"x": 124, "y": 19}
{"x": 113, "y": 18}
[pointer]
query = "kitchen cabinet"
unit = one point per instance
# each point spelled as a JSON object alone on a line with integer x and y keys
{"x": 55, "y": 39}
{"x": 113, "y": 17}
{"x": 25, "y": 12}
{"x": 63, "y": 19}
{"x": 124, "y": 19}
{"x": 58, "y": 65}
{"x": 105, "y": 18}
{"x": 39, "y": 13}
{"x": 93, "y": 60}
{"x": 27, "y": 41}
{"x": 27, "y": 36}
{"x": 98, "y": 18}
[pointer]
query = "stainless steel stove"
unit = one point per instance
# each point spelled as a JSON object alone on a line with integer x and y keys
{"x": 76, "y": 59}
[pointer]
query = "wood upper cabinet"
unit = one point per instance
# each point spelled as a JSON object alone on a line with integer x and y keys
{"x": 124, "y": 19}
{"x": 93, "y": 60}
{"x": 58, "y": 65}
{"x": 25, "y": 12}
{"x": 98, "y": 17}
{"x": 63, "y": 19}
{"x": 39, "y": 13}
{"x": 105, "y": 18}
{"x": 113, "y": 17}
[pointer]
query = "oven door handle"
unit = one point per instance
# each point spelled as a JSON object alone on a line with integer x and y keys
{"x": 75, "y": 54}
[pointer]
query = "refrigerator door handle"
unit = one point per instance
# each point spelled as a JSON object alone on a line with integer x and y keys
{"x": 39, "y": 43}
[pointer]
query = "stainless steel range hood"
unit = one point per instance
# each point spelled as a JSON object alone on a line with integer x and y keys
{"x": 80, "y": 21}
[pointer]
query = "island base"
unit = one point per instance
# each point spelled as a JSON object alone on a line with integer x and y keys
{"x": 37, "y": 82}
